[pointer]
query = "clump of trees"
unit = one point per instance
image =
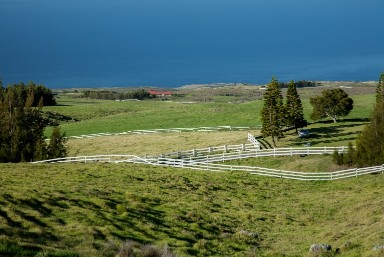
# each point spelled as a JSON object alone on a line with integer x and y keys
{"x": 332, "y": 103}
{"x": 369, "y": 149}
{"x": 40, "y": 93}
{"x": 22, "y": 126}
{"x": 140, "y": 94}
{"x": 300, "y": 84}
{"x": 275, "y": 115}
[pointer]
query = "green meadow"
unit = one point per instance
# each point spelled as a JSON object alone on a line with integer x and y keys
{"x": 93, "y": 209}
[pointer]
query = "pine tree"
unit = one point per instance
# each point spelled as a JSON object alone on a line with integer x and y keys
{"x": 56, "y": 147}
{"x": 294, "y": 109}
{"x": 272, "y": 114}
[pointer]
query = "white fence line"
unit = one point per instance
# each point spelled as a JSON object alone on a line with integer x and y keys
{"x": 294, "y": 175}
{"x": 206, "y": 163}
{"x": 231, "y": 152}
{"x": 152, "y": 131}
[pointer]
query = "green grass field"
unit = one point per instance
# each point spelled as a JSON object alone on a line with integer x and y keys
{"x": 96, "y": 116}
{"x": 92, "y": 209}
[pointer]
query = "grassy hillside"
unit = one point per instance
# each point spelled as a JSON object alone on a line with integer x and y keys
{"x": 91, "y": 209}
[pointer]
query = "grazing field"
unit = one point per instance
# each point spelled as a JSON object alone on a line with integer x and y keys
{"x": 92, "y": 209}
{"x": 97, "y": 116}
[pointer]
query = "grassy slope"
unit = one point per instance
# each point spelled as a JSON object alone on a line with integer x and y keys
{"x": 90, "y": 209}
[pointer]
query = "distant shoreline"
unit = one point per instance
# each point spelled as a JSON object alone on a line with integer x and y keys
{"x": 216, "y": 85}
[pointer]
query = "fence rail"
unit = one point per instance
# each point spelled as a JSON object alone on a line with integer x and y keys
{"x": 153, "y": 131}
{"x": 231, "y": 152}
{"x": 294, "y": 175}
{"x": 207, "y": 162}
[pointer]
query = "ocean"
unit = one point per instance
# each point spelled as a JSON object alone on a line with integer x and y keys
{"x": 171, "y": 43}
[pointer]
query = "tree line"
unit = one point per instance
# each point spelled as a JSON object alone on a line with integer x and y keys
{"x": 40, "y": 93}
{"x": 299, "y": 84}
{"x": 140, "y": 94}
{"x": 22, "y": 125}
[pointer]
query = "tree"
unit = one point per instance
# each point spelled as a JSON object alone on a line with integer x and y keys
{"x": 272, "y": 114}
{"x": 40, "y": 92}
{"x": 294, "y": 109}
{"x": 21, "y": 125}
{"x": 332, "y": 103}
{"x": 56, "y": 148}
{"x": 370, "y": 142}
{"x": 380, "y": 88}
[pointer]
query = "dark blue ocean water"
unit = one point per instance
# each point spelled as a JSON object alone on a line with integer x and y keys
{"x": 170, "y": 43}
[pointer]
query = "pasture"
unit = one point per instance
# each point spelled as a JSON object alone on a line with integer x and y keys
{"x": 92, "y": 209}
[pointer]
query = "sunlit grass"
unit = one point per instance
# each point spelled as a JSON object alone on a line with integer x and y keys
{"x": 90, "y": 209}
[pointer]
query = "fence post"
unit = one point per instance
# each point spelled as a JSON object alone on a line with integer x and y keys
{"x": 210, "y": 149}
{"x": 85, "y": 159}
{"x": 355, "y": 169}
{"x": 225, "y": 148}
{"x": 243, "y": 147}
{"x": 194, "y": 152}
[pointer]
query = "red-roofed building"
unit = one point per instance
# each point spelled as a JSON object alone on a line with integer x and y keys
{"x": 160, "y": 93}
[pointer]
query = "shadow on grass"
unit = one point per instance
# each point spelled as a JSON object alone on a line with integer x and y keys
{"x": 331, "y": 132}
{"x": 9, "y": 249}
{"x": 19, "y": 228}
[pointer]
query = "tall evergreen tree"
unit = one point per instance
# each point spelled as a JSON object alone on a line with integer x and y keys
{"x": 380, "y": 88}
{"x": 272, "y": 114}
{"x": 294, "y": 108}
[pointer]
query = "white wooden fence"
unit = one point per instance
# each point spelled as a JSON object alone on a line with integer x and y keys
{"x": 207, "y": 162}
{"x": 153, "y": 131}
{"x": 232, "y": 152}
{"x": 295, "y": 175}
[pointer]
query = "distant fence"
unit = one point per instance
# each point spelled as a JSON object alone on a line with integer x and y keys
{"x": 193, "y": 160}
{"x": 243, "y": 151}
{"x": 154, "y": 131}
{"x": 115, "y": 158}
